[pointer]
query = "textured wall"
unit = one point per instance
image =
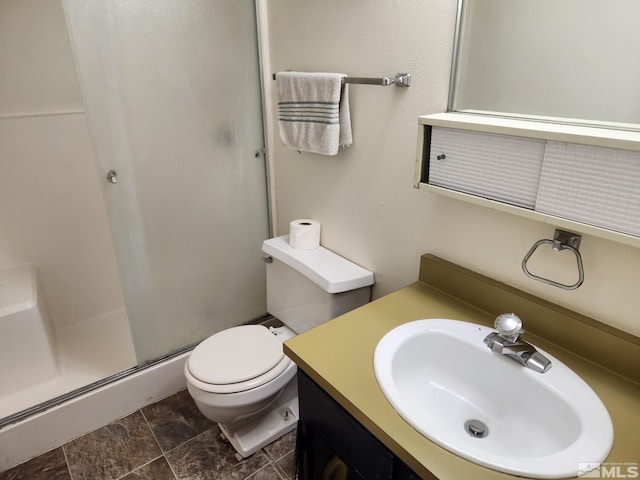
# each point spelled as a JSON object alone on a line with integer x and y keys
{"x": 364, "y": 197}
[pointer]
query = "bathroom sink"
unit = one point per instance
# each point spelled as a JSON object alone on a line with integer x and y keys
{"x": 447, "y": 384}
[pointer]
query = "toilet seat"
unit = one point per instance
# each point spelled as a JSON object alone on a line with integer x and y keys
{"x": 236, "y": 360}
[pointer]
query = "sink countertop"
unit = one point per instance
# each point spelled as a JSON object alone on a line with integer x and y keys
{"x": 338, "y": 355}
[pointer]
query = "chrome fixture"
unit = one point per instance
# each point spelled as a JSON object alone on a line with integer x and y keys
{"x": 112, "y": 177}
{"x": 400, "y": 80}
{"x": 561, "y": 241}
{"x": 507, "y": 341}
{"x": 476, "y": 428}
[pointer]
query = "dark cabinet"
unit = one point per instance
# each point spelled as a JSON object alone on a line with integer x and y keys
{"x": 332, "y": 445}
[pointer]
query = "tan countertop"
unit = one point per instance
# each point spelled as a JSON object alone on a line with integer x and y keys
{"x": 338, "y": 355}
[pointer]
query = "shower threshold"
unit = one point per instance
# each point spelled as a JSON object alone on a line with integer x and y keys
{"x": 60, "y": 399}
{"x": 37, "y": 430}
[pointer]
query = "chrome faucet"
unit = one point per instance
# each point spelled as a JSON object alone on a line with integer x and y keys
{"x": 506, "y": 341}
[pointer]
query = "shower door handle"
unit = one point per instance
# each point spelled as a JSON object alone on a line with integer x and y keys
{"x": 112, "y": 177}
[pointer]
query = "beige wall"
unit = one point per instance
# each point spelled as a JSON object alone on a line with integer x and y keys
{"x": 364, "y": 197}
{"x": 51, "y": 209}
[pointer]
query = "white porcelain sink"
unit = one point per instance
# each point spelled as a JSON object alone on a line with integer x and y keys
{"x": 438, "y": 374}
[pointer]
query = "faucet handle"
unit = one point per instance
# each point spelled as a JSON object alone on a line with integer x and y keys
{"x": 509, "y": 326}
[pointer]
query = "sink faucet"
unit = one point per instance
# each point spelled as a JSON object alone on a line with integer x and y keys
{"x": 506, "y": 341}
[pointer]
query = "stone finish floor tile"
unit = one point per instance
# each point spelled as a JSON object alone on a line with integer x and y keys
{"x": 282, "y": 446}
{"x": 112, "y": 451}
{"x": 48, "y": 466}
{"x": 175, "y": 420}
{"x": 159, "y": 469}
{"x": 132, "y": 449}
{"x": 207, "y": 457}
{"x": 268, "y": 472}
{"x": 286, "y": 465}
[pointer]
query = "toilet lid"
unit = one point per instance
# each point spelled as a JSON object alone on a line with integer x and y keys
{"x": 235, "y": 355}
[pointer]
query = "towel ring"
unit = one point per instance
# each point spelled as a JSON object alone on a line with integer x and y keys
{"x": 561, "y": 241}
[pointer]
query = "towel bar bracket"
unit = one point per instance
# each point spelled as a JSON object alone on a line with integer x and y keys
{"x": 403, "y": 80}
{"x": 562, "y": 240}
{"x": 562, "y": 237}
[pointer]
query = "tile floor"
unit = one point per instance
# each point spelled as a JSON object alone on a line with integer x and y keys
{"x": 169, "y": 440}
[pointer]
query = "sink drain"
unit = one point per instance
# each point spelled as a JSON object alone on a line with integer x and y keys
{"x": 476, "y": 428}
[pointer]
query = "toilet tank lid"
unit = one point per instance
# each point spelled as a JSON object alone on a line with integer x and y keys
{"x": 330, "y": 271}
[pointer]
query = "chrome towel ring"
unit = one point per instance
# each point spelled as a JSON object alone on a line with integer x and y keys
{"x": 561, "y": 241}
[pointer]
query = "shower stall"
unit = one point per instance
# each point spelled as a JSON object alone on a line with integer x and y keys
{"x": 133, "y": 197}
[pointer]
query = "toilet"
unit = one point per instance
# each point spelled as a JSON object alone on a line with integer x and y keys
{"x": 240, "y": 377}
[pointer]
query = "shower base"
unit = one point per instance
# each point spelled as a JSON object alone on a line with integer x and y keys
{"x": 120, "y": 395}
{"x": 85, "y": 352}
{"x": 27, "y": 351}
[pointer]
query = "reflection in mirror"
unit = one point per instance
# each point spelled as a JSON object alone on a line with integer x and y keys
{"x": 574, "y": 59}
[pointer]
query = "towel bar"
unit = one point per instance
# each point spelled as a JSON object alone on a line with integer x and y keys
{"x": 400, "y": 80}
{"x": 561, "y": 241}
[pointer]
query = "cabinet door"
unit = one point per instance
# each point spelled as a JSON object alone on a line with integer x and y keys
{"x": 594, "y": 185}
{"x": 402, "y": 472}
{"x": 328, "y": 432}
{"x": 498, "y": 167}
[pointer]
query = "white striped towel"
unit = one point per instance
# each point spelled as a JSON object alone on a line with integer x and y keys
{"x": 313, "y": 111}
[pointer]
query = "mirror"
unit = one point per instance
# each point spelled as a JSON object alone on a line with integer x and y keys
{"x": 573, "y": 61}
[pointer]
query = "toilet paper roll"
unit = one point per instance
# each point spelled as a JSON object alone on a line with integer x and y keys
{"x": 304, "y": 234}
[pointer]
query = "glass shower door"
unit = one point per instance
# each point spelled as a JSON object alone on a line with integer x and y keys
{"x": 172, "y": 95}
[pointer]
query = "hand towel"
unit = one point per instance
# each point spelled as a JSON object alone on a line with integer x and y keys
{"x": 313, "y": 111}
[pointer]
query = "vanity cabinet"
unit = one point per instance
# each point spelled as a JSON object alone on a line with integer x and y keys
{"x": 332, "y": 445}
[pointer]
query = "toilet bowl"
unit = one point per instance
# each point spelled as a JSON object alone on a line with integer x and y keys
{"x": 239, "y": 372}
{"x": 240, "y": 377}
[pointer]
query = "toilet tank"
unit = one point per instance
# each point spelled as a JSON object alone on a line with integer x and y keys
{"x": 308, "y": 287}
